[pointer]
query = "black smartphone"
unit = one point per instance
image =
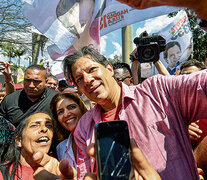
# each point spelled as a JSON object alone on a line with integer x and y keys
{"x": 113, "y": 151}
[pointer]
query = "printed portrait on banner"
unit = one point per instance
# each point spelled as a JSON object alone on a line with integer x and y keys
{"x": 179, "y": 43}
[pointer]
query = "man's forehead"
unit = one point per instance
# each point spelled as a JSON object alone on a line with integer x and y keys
{"x": 3, "y": 93}
{"x": 50, "y": 79}
{"x": 39, "y": 117}
{"x": 82, "y": 66}
{"x": 35, "y": 72}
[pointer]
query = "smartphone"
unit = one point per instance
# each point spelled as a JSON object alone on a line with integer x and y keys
{"x": 113, "y": 152}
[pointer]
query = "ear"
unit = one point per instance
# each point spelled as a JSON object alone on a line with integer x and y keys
{"x": 132, "y": 80}
{"x": 18, "y": 141}
{"x": 110, "y": 68}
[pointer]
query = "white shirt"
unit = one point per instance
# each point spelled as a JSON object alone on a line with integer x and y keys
{"x": 65, "y": 150}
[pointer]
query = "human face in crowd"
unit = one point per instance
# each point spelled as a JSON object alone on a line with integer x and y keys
{"x": 37, "y": 135}
{"x": 34, "y": 83}
{"x": 2, "y": 95}
{"x": 173, "y": 55}
{"x": 123, "y": 76}
{"x": 69, "y": 113}
{"x": 189, "y": 70}
{"x": 51, "y": 83}
{"x": 95, "y": 80}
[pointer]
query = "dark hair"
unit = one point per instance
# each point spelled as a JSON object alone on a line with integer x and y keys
{"x": 52, "y": 76}
{"x": 170, "y": 45}
{"x": 38, "y": 67}
{"x": 12, "y": 156}
{"x": 192, "y": 62}
{"x": 60, "y": 131}
{"x": 63, "y": 83}
{"x": 2, "y": 89}
{"x": 72, "y": 58}
{"x": 123, "y": 66}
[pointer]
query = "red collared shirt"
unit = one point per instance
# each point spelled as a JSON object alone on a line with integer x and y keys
{"x": 158, "y": 112}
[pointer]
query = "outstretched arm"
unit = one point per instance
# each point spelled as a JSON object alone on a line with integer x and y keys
{"x": 9, "y": 82}
{"x": 200, "y": 8}
{"x": 50, "y": 168}
{"x": 161, "y": 68}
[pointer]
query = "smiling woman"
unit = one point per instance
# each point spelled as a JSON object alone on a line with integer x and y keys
{"x": 67, "y": 108}
{"x": 32, "y": 135}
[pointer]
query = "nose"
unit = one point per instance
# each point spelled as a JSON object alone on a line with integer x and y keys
{"x": 66, "y": 113}
{"x": 88, "y": 78}
{"x": 43, "y": 129}
{"x": 31, "y": 85}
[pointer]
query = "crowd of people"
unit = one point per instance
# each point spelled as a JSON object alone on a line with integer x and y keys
{"x": 47, "y": 127}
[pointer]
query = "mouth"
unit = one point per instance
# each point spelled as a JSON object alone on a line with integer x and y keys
{"x": 31, "y": 91}
{"x": 70, "y": 120}
{"x": 43, "y": 140}
{"x": 94, "y": 88}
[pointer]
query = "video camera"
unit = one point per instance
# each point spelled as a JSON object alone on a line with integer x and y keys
{"x": 149, "y": 47}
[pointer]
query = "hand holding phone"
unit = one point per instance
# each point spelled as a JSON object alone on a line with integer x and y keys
{"x": 113, "y": 153}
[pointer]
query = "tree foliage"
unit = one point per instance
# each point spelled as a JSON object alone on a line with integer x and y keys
{"x": 19, "y": 52}
{"x": 199, "y": 36}
{"x": 8, "y": 50}
{"x": 15, "y": 29}
{"x": 115, "y": 59}
{"x": 12, "y": 20}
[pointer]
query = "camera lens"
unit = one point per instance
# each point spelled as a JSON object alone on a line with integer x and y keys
{"x": 148, "y": 53}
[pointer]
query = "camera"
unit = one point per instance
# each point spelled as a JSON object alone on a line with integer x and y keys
{"x": 149, "y": 47}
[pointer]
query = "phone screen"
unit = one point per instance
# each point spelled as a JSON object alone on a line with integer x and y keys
{"x": 113, "y": 152}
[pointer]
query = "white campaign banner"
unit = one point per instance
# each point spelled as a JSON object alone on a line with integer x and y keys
{"x": 71, "y": 24}
{"x": 179, "y": 42}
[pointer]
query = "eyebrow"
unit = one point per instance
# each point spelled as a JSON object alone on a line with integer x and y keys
{"x": 88, "y": 67}
{"x": 39, "y": 121}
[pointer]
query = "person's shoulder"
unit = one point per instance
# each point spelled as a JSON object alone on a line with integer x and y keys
{"x": 62, "y": 144}
{"x": 13, "y": 95}
{"x": 88, "y": 114}
{"x": 87, "y": 118}
{"x": 51, "y": 92}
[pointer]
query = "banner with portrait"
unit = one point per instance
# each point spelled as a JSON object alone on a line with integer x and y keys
{"x": 71, "y": 24}
{"x": 179, "y": 42}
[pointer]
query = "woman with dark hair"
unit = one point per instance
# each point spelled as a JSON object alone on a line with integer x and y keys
{"x": 67, "y": 108}
{"x": 34, "y": 134}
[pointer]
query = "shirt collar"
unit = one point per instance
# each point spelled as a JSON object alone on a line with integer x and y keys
{"x": 126, "y": 91}
{"x": 68, "y": 144}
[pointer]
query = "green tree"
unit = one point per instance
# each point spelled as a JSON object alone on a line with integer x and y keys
{"x": 19, "y": 52}
{"x": 115, "y": 59}
{"x": 8, "y": 50}
{"x": 199, "y": 37}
